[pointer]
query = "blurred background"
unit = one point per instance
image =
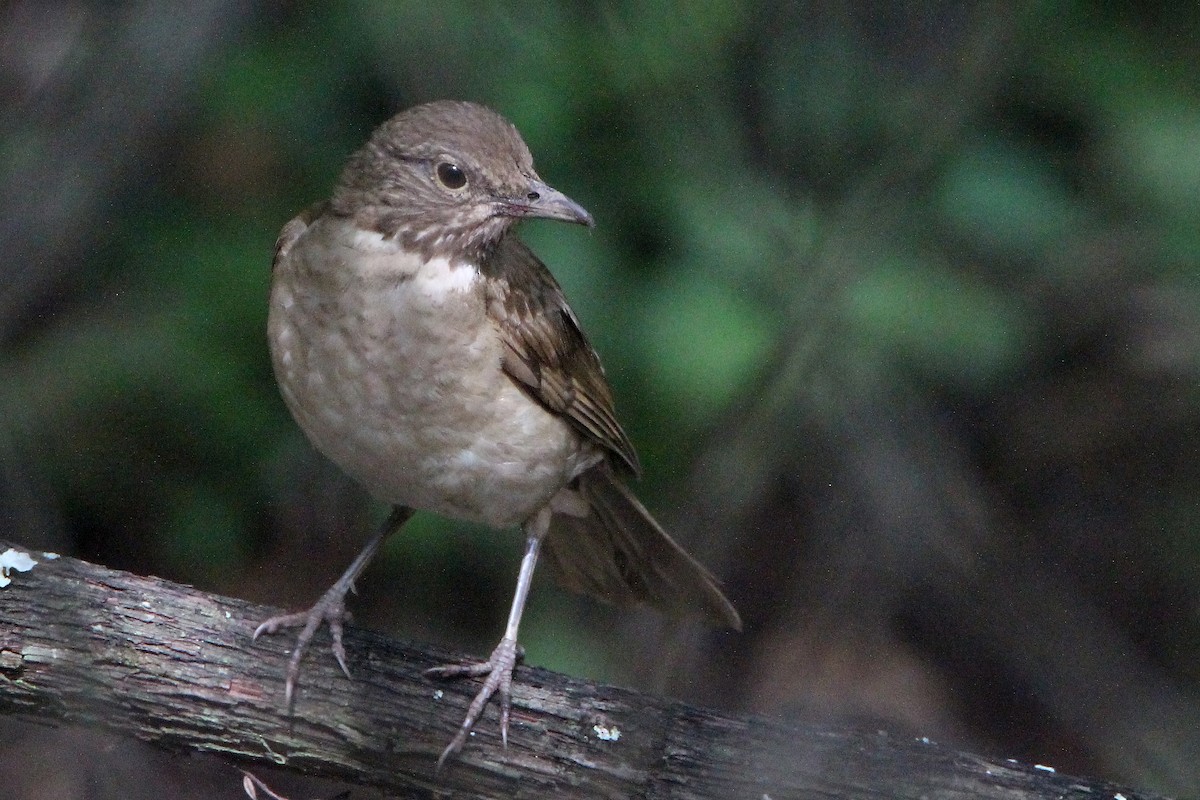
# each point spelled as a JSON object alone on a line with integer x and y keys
{"x": 900, "y": 301}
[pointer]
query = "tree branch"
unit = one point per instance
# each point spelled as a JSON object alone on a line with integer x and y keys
{"x": 168, "y": 664}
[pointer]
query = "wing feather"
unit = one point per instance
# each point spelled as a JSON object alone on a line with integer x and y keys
{"x": 546, "y": 351}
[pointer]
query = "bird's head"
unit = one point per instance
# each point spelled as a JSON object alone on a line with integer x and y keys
{"x": 448, "y": 177}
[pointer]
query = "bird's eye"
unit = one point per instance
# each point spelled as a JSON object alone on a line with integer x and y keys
{"x": 451, "y": 176}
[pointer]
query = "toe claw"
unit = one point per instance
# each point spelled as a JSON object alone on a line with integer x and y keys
{"x": 339, "y": 650}
{"x": 504, "y": 709}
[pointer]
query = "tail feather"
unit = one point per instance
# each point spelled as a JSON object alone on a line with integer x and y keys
{"x": 620, "y": 555}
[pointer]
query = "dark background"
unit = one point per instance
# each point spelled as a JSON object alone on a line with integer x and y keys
{"x": 900, "y": 301}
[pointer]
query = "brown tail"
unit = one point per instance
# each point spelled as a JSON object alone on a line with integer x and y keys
{"x": 619, "y": 554}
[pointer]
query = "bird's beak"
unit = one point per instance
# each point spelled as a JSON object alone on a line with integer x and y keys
{"x": 546, "y": 202}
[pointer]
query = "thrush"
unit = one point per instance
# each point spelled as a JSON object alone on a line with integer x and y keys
{"x": 426, "y": 351}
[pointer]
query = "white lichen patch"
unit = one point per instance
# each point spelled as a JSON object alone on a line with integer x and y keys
{"x": 607, "y": 734}
{"x": 14, "y": 560}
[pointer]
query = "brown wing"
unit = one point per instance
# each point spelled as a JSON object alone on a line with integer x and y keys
{"x": 545, "y": 350}
{"x": 292, "y": 230}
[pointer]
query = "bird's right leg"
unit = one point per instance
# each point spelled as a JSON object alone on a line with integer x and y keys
{"x": 331, "y": 608}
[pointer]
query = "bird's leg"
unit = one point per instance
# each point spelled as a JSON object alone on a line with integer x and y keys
{"x": 331, "y": 608}
{"x": 500, "y": 665}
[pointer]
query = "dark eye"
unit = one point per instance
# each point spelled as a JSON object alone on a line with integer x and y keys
{"x": 451, "y": 176}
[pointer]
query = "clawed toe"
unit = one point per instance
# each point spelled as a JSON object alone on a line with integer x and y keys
{"x": 329, "y": 609}
{"x": 499, "y": 670}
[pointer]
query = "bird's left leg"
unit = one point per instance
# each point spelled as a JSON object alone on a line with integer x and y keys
{"x": 500, "y": 665}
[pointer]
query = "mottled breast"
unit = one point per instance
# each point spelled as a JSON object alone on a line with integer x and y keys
{"x": 391, "y": 366}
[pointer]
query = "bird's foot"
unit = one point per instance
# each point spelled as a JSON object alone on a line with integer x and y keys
{"x": 499, "y": 671}
{"x": 331, "y": 609}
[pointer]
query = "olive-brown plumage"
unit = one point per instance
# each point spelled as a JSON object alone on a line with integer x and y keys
{"x": 430, "y": 354}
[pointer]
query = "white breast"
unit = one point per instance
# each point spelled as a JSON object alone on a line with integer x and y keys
{"x": 391, "y": 366}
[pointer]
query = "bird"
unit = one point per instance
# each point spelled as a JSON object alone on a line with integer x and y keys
{"x": 426, "y": 351}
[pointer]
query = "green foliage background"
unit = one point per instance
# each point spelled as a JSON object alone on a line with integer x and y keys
{"x": 960, "y": 234}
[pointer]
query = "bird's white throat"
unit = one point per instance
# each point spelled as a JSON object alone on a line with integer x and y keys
{"x": 385, "y": 258}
